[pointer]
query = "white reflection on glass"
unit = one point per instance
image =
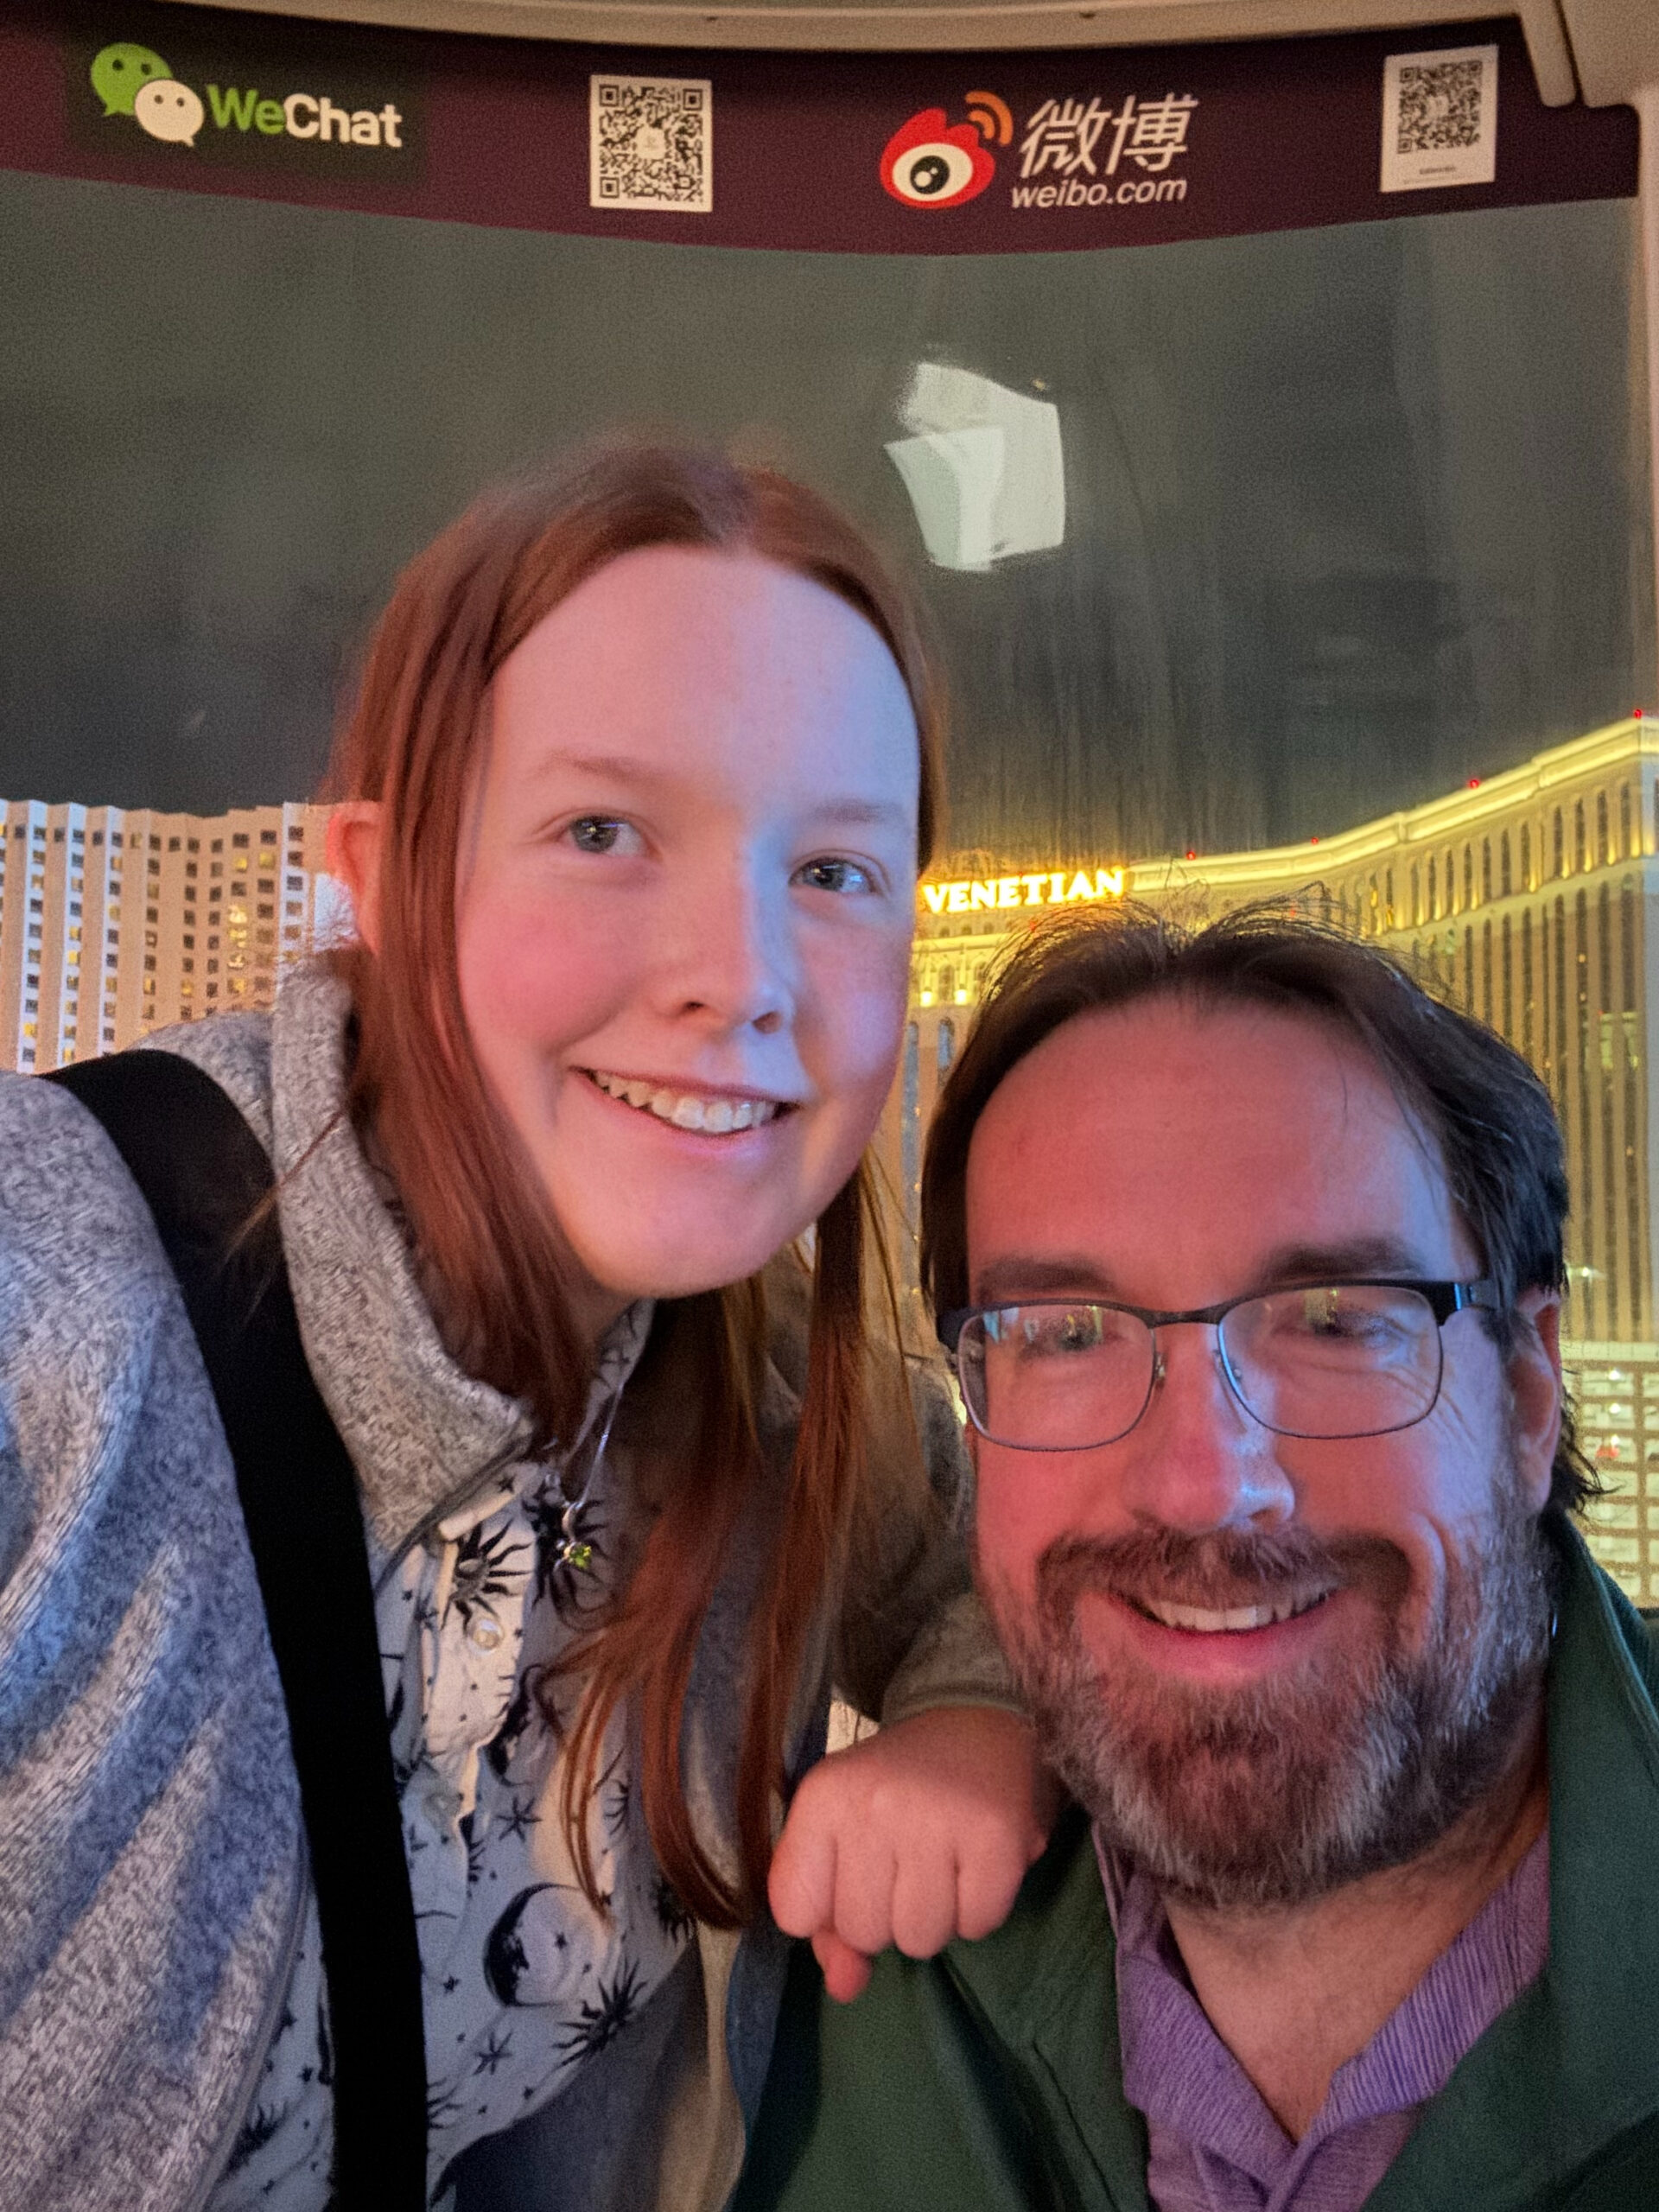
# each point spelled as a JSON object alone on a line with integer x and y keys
{"x": 983, "y": 466}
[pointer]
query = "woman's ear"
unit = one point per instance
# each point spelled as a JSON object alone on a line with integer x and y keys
{"x": 352, "y": 851}
{"x": 1535, "y": 1369}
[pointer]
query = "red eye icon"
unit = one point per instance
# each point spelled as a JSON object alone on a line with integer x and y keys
{"x": 930, "y": 162}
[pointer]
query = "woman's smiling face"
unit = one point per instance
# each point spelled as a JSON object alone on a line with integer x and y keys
{"x": 684, "y": 903}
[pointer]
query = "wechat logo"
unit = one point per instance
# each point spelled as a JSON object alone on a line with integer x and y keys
{"x": 132, "y": 81}
{"x": 120, "y": 73}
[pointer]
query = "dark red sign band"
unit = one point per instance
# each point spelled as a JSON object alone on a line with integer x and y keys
{"x": 893, "y": 153}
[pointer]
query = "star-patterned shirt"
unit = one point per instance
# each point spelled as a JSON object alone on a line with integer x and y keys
{"x": 522, "y": 1979}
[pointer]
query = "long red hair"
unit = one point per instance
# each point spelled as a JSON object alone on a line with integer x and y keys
{"x": 475, "y": 1207}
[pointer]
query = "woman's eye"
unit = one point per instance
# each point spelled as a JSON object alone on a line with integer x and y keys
{"x": 603, "y": 833}
{"x": 835, "y": 876}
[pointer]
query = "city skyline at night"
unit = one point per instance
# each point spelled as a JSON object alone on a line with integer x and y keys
{"x": 1528, "y": 899}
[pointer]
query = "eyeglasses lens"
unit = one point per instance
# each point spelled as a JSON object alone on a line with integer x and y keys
{"x": 1350, "y": 1360}
{"x": 1342, "y": 1360}
{"x": 1052, "y": 1378}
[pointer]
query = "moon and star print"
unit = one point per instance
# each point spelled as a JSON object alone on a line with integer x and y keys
{"x": 524, "y": 1980}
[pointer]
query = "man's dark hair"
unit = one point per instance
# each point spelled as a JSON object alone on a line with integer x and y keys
{"x": 1465, "y": 1088}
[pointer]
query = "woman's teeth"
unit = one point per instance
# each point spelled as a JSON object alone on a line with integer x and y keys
{"x": 1200, "y": 1620}
{"x": 717, "y": 1116}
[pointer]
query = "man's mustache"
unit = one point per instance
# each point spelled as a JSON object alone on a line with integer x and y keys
{"x": 1217, "y": 1570}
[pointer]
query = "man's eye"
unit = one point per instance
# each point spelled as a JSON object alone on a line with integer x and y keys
{"x": 603, "y": 833}
{"x": 835, "y": 876}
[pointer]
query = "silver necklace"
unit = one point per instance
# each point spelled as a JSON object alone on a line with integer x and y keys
{"x": 572, "y": 1549}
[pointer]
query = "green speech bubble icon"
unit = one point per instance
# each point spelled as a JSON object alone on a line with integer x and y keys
{"x": 120, "y": 73}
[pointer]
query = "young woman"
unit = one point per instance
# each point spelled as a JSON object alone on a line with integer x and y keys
{"x": 631, "y": 808}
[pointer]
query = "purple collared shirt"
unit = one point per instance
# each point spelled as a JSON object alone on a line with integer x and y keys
{"x": 1214, "y": 2146}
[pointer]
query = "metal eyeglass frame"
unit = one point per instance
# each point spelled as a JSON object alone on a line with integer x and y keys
{"x": 1442, "y": 1298}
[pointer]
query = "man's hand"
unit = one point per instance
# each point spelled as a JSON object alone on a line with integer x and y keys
{"x": 922, "y": 1833}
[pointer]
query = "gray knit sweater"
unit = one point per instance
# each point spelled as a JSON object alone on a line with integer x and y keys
{"x": 152, "y": 1866}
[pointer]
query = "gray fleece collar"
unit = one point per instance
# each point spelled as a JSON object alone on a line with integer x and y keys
{"x": 419, "y": 1432}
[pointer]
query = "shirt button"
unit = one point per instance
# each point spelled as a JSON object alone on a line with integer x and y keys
{"x": 484, "y": 1632}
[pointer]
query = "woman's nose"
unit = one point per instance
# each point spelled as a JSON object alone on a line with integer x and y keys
{"x": 729, "y": 961}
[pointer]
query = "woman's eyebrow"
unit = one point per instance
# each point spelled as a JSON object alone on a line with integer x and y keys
{"x": 610, "y": 768}
{"x": 863, "y": 814}
{"x": 850, "y": 812}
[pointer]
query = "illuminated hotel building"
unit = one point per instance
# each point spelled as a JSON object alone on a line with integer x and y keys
{"x": 115, "y": 922}
{"x": 1531, "y": 900}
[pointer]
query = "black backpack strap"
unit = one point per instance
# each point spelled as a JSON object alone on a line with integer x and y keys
{"x": 205, "y": 1177}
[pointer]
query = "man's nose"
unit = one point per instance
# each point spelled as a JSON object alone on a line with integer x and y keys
{"x": 729, "y": 958}
{"x": 1198, "y": 1460}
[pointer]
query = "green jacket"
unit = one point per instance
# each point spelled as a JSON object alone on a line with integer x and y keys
{"x": 989, "y": 2078}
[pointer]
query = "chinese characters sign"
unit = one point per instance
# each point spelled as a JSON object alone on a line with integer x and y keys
{"x": 841, "y": 153}
{"x": 1065, "y": 136}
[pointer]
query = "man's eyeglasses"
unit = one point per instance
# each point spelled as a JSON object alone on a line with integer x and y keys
{"x": 1317, "y": 1360}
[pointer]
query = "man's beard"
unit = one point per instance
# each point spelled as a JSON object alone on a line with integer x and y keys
{"x": 1281, "y": 1791}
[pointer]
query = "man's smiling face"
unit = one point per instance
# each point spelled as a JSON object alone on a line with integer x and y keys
{"x": 1266, "y": 1664}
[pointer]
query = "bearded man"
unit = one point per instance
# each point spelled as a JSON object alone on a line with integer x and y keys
{"x": 1250, "y": 1256}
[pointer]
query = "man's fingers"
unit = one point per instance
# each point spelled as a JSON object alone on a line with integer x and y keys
{"x": 846, "y": 1972}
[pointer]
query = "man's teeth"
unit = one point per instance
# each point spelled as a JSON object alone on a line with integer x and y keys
{"x": 1202, "y": 1621}
{"x": 718, "y": 1116}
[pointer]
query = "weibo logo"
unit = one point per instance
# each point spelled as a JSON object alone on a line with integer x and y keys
{"x": 932, "y": 162}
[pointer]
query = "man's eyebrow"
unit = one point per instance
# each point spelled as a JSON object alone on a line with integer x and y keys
{"x": 1377, "y": 1254}
{"x": 1018, "y": 1275}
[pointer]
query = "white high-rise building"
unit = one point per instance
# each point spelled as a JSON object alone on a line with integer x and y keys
{"x": 115, "y": 921}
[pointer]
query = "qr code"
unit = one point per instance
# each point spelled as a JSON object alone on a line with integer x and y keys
{"x": 652, "y": 143}
{"x": 1440, "y": 105}
{"x": 1440, "y": 118}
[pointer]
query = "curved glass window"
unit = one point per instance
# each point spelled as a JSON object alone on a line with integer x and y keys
{"x": 1349, "y": 515}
